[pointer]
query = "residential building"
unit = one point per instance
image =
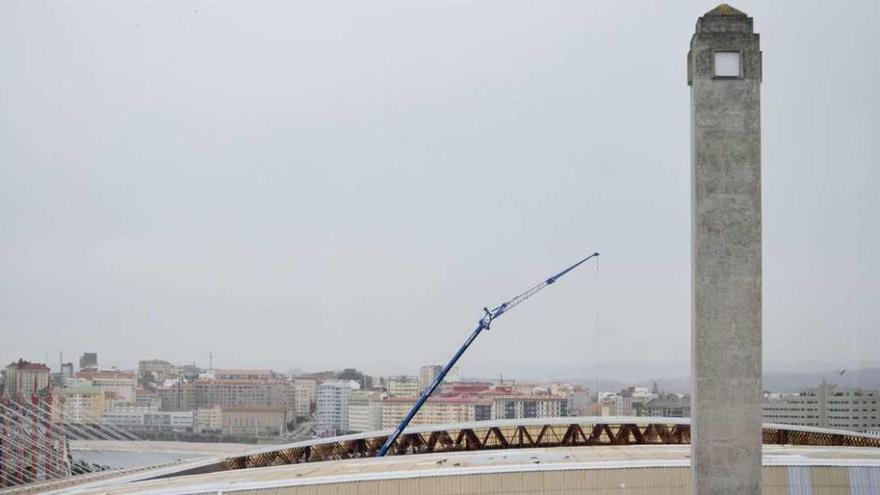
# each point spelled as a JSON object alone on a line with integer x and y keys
{"x": 365, "y": 411}
{"x": 437, "y": 410}
{"x": 666, "y": 406}
{"x": 190, "y": 371}
{"x": 528, "y": 406}
{"x": 146, "y": 397}
{"x": 88, "y": 361}
{"x": 242, "y": 392}
{"x": 137, "y": 420}
{"x": 454, "y": 375}
{"x": 578, "y": 401}
{"x": 168, "y": 422}
{"x": 112, "y": 405}
{"x": 245, "y": 374}
{"x": 331, "y": 413}
{"x": 427, "y": 375}
{"x": 827, "y": 406}
{"x": 63, "y": 377}
{"x": 476, "y": 402}
{"x": 181, "y": 395}
{"x": 254, "y": 421}
{"x": 177, "y": 395}
{"x": 208, "y": 419}
{"x": 159, "y": 369}
{"x": 617, "y": 404}
{"x": 305, "y": 396}
{"x": 115, "y": 384}
{"x": 126, "y": 420}
{"x": 82, "y": 403}
{"x": 24, "y": 379}
{"x": 402, "y": 386}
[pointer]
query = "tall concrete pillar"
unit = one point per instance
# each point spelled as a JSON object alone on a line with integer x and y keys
{"x": 724, "y": 73}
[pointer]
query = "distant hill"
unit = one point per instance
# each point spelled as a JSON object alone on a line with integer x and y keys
{"x": 775, "y": 381}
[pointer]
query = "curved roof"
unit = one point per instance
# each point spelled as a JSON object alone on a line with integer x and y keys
{"x": 486, "y": 447}
{"x": 394, "y": 474}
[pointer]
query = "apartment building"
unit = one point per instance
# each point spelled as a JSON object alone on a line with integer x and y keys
{"x": 331, "y": 412}
{"x": 402, "y": 386}
{"x": 305, "y": 392}
{"x": 365, "y": 411}
{"x": 826, "y": 406}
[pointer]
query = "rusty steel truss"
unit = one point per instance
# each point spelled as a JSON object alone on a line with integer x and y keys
{"x": 518, "y": 434}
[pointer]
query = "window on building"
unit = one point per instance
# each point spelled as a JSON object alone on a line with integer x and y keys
{"x": 727, "y": 64}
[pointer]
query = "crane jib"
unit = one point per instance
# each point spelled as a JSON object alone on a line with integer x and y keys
{"x": 484, "y": 324}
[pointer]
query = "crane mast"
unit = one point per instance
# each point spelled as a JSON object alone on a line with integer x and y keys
{"x": 489, "y": 315}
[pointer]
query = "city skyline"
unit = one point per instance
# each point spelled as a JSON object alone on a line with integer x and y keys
{"x": 386, "y": 198}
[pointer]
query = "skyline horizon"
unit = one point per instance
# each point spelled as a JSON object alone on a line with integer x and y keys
{"x": 609, "y": 370}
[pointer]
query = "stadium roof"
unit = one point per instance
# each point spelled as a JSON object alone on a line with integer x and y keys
{"x": 440, "y": 466}
{"x": 335, "y": 462}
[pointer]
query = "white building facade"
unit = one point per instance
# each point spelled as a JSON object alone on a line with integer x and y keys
{"x": 365, "y": 411}
{"x": 827, "y": 406}
{"x": 331, "y": 412}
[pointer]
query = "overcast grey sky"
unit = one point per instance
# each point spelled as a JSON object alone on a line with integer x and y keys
{"x": 329, "y": 184}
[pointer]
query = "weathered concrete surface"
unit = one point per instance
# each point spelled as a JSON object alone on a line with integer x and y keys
{"x": 726, "y": 257}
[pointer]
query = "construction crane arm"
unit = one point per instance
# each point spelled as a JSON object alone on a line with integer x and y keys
{"x": 485, "y": 322}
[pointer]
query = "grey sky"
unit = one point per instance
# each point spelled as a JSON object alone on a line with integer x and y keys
{"x": 329, "y": 184}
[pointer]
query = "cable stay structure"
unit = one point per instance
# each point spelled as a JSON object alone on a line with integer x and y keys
{"x": 35, "y": 438}
{"x": 489, "y": 316}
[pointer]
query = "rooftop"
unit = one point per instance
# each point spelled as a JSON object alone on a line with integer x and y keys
{"x": 435, "y": 467}
{"x": 21, "y": 364}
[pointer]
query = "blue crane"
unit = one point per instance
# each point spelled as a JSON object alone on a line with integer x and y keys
{"x": 485, "y": 322}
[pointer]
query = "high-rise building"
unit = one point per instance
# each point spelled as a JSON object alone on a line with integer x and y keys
{"x": 24, "y": 379}
{"x": 331, "y": 413}
{"x": 826, "y": 406}
{"x": 88, "y": 361}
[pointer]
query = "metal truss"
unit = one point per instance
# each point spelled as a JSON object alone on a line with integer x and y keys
{"x": 507, "y": 435}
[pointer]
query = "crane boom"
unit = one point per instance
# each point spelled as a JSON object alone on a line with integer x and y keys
{"x": 484, "y": 324}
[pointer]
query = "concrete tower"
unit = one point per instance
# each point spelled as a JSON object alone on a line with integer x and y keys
{"x": 724, "y": 73}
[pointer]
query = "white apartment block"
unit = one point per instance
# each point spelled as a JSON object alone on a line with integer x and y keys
{"x": 331, "y": 412}
{"x": 828, "y": 406}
